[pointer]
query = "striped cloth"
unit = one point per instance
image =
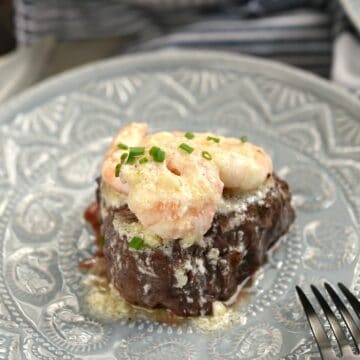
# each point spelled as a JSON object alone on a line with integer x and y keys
{"x": 305, "y": 33}
{"x": 301, "y": 38}
{"x": 76, "y": 20}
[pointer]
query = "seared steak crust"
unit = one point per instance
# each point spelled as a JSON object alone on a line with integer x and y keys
{"x": 187, "y": 280}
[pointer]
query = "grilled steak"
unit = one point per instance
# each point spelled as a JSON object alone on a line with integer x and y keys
{"x": 188, "y": 279}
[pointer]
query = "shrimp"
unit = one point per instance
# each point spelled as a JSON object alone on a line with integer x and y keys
{"x": 131, "y": 135}
{"x": 175, "y": 199}
{"x": 242, "y": 165}
{"x": 178, "y": 198}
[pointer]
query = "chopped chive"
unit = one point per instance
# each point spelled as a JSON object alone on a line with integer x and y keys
{"x": 131, "y": 160}
{"x": 117, "y": 169}
{"x": 157, "y": 154}
{"x": 160, "y": 156}
{"x": 136, "y": 243}
{"x": 244, "y": 138}
{"x": 206, "y": 155}
{"x": 123, "y": 158}
{"x": 186, "y": 148}
{"x": 214, "y": 139}
{"x": 136, "y": 151}
{"x": 120, "y": 164}
{"x": 101, "y": 241}
{"x": 122, "y": 146}
{"x": 133, "y": 153}
{"x": 154, "y": 150}
{"x": 189, "y": 135}
{"x": 143, "y": 160}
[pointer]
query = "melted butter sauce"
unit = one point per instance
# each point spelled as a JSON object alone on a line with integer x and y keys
{"x": 238, "y": 202}
{"x": 104, "y": 301}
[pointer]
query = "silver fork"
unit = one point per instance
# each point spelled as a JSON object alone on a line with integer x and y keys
{"x": 322, "y": 340}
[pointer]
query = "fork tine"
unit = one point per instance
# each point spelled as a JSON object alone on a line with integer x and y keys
{"x": 354, "y": 330}
{"x": 351, "y": 297}
{"x": 338, "y": 331}
{"x": 318, "y": 331}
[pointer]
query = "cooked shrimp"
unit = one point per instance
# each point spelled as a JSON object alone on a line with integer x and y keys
{"x": 242, "y": 165}
{"x": 244, "y": 168}
{"x": 177, "y": 198}
{"x": 130, "y": 135}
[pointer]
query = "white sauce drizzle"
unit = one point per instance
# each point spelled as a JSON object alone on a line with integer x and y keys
{"x": 104, "y": 301}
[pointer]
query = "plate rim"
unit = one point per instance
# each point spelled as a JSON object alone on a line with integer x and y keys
{"x": 50, "y": 88}
{"x": 74, "y": 78}
{"x": 353, "y": 14}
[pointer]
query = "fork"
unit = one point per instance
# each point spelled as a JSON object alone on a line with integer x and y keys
{"x": 322, "y": 340}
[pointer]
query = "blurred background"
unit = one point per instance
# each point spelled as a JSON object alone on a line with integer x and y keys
{"x": 40, "y": 38}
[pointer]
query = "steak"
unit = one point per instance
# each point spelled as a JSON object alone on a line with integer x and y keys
{"x": 188, "y": 279}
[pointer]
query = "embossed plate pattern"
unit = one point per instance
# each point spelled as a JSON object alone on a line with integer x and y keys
{"x": 52, "y": 139}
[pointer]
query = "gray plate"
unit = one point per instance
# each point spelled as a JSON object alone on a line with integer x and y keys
{"x": 52, "y": 139}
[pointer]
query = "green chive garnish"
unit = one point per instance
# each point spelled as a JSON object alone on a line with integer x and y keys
{"x": 131, "y": 160}
{"x": 160, "y": 156}
{"x": 117, "y": 170}
{"x": 133, "y": 153}
{"x": 153, "y": 151}
{"x": 186, "y": 148}
{"x": 122, "y": 146}
{"x": 143, "y": 160}
{"x": 123, "y": 158}
{"x": 244, "y": 138}
{"x": 101, "y": 241}
{"x": 157, "y": 154}
{"x": 189, "y": 135}
{"x": 120, "y": 164}
{"x": 206, "y": 155}
{"x": 136, "y": 151}
{"x": 136, "y": 243}
{"x": 214, "y": 139}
